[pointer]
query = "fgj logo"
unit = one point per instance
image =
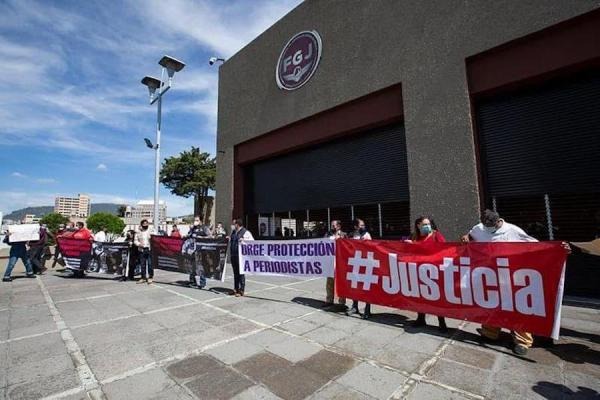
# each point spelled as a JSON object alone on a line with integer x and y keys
{"x": 298, "y": 60}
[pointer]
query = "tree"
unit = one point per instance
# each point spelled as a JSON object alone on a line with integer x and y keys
{"x": 191, "y": 173}
{"x": 112, "y": 223}
{"x": 53, "y": 220}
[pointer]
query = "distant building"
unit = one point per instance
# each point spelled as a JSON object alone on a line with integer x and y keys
{"x": 79, "y": 206}
{"x": 144, "y": 209}
{"x": 31, "y": 219}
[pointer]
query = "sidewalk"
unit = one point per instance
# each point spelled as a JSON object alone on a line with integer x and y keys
{"x": 73, "y": 338}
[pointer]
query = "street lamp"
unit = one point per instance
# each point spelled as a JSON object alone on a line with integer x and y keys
{"x": 169, "y": 65}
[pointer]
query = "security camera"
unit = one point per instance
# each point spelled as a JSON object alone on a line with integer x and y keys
{"x": 213, "y": 60}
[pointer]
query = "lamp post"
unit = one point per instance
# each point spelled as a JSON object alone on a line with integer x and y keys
{"x": 170, "y": 65}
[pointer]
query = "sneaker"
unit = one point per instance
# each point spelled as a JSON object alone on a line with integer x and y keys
{"x": 238, "y": 294}
{"x": 352, "y": 311}
{"x": 141, "y": 281}
{"x": 520, "y": 349}
{"x": 443, "y": 329}
{"x": 233, "y": 293}
{"x": 366, "y": 315}
{"x": 30, "y": 276}
{"x": 7, "y": 279}
{"x": 149, "y": 281}
{"x": 241, "y": 292}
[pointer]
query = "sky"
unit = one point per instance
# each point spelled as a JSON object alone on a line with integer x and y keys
{"x": 73, "y": 113}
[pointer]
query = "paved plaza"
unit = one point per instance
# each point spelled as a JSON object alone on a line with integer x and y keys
{"x": 64, "y": 338}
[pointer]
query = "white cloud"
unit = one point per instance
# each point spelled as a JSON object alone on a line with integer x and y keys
{"x": 18, "y": 175}
{"x": 101, "y": 167}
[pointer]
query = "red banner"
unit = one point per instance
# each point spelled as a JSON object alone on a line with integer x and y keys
{"x": 70, "y": 247}
{"x": 76, "y": 252}
{"x": 510, "y": 285}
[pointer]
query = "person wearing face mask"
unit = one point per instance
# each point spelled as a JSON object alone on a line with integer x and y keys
{"x": 197, "y": 231}
{"x": 492, "y": 228}
{"x": 335, "y": 233}
{"x": 426, "y": 232}
{"x": 142, "y": 242}
{"x": 238, "y": 233}
{"x": 360, "y": 233}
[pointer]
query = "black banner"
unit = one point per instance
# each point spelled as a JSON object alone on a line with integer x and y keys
{"x": 201, "y": 256}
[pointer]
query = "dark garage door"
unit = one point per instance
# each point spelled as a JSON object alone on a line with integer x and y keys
{"x": 540, "y": 151}
{"x": 363, "y": 174}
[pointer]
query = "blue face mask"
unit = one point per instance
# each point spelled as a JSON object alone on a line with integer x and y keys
{"x": 425, "y": 229}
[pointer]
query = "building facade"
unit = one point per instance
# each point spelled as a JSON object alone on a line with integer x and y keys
{"x": 144, "y": 209}
{"x": 441, "y": 108}
{"x": 79, "y": 206}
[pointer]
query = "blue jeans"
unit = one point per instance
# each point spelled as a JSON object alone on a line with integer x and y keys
{"x": 18, "y": 251}
{"x": 145, "y": 258}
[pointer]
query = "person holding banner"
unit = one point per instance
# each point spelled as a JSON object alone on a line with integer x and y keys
{"x": 18, "y": 250}
{"x": 492, "y": 228}
{"x": 360, "y": 233}
{"x": 197, "y": 231}
{"x": 142, "y": 242}
{"x": 238, "y": 233}
{"x": 426, "y": 232}
{"x": 334, "y": 234}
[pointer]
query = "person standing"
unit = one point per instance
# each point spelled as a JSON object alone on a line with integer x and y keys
{"x": 426, "y": 232}
{"x": 100, "y": 236}
{"x": 36, "y": 251}
{"x": 175, "y": 232}
{"x": 82, "y": 233}
{"x": 142, "y": 242}
{"x": 335, "y": 233}
{"x": 492, "y": 228}
{"x": 238, "y": 233}
{"x": 197, "y": 232}
{"x": 61, "y": 230}
{"x": 18, "y": 250}
{"x": 360, "y": 233}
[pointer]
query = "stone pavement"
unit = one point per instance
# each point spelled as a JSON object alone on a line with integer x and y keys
{"x": 64, "y": 338}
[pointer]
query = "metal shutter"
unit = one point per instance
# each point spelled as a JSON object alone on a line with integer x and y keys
{"x": 366, "y": 168}
{"x": 543, "y": 140}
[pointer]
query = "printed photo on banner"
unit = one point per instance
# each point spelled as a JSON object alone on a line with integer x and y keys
{"x": 204, "y": 256}
{"x": 518, "y": 286}
{"x": 305, "y": 258}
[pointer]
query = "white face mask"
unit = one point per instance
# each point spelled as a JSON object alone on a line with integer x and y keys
{"x": 196, "y": 223}
{"x": 490, "y": 229}
{"x": 232, "y": 228}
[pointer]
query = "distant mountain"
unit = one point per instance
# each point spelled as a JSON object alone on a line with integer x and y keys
{"x": 43, "y": 210}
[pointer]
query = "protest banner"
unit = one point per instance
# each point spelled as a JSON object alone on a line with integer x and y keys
{"x": 76, "y": 253}
{"x": 109, "y": 257}
{"x": 307, "y": 258}
{"x": 206, "y": 254}
{"x": 516, "y": 286}
{"x": 23, "y": 233}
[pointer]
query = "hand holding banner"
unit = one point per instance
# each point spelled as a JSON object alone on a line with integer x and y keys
{"x": 511, "y": 285}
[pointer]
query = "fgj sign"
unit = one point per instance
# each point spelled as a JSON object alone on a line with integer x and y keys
{"x": 298, "y": 60}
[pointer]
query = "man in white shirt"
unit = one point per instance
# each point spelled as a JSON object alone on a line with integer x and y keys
{"x": 100, "y": 236}
{"x": 142, "y": 241}
{"x": 492, "y": 228}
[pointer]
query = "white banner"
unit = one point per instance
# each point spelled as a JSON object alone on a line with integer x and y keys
{"x": 24, "y": 233}
{"x": 308, "y": 258}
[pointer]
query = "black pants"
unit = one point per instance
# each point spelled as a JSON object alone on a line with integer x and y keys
{"x": 146, "y": 264}
{"x": 239, "y": 280}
